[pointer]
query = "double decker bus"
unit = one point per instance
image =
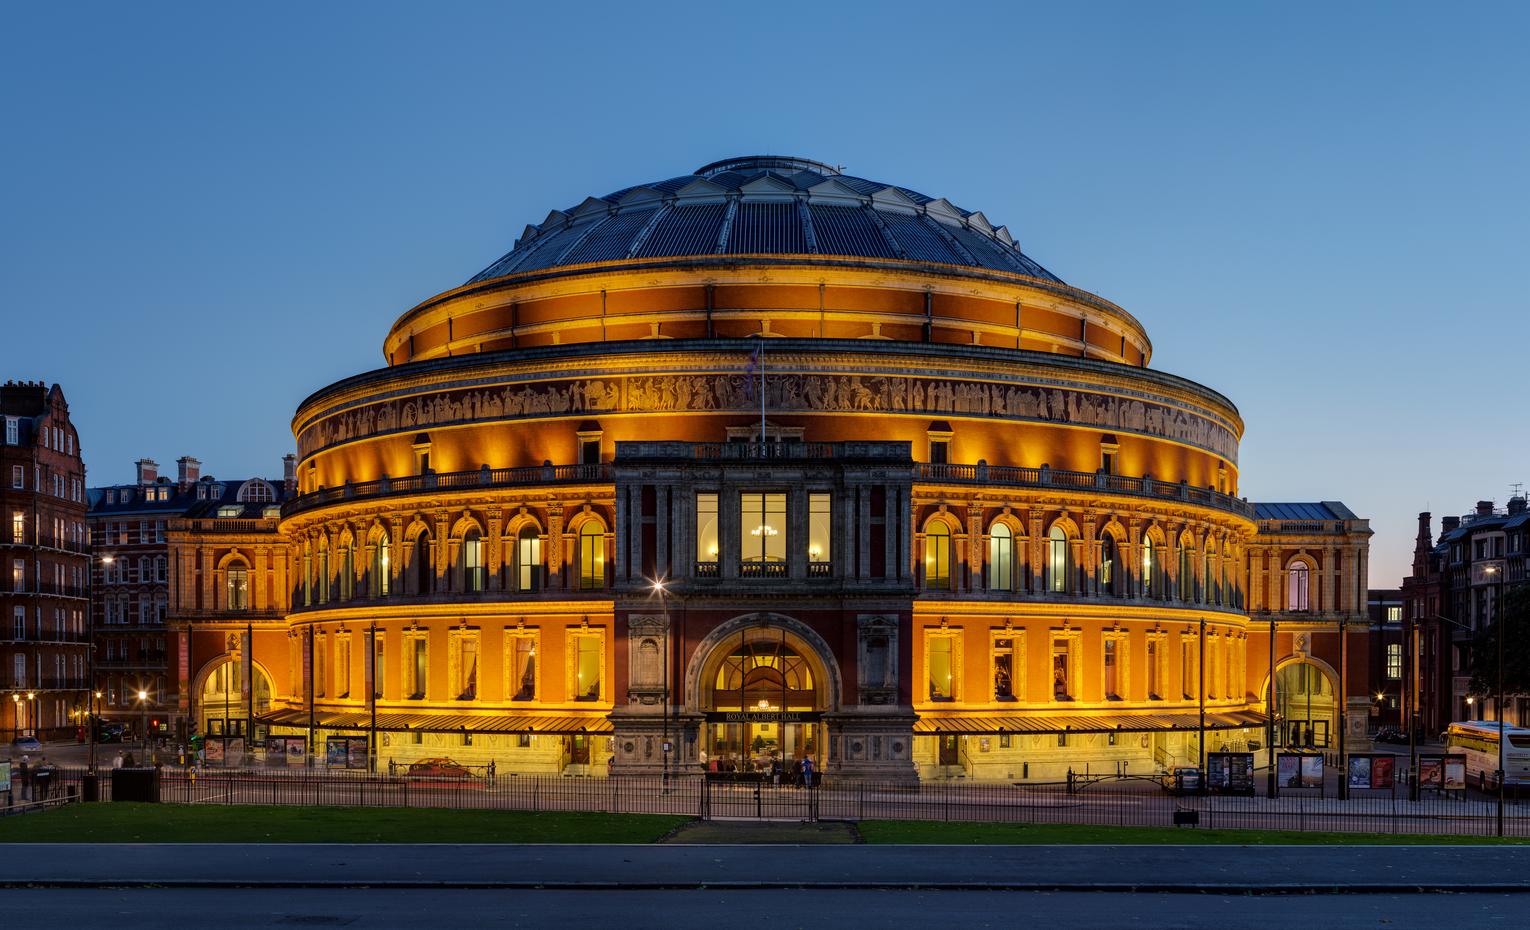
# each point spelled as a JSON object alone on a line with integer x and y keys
{"x": 1477, "y": 740}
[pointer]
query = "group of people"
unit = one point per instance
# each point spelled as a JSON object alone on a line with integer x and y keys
{"x": 798, "y": 773}
{"x": 33, "y": 782}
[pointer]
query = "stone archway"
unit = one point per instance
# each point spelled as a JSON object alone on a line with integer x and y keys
{"x": 1306, "y": 703}
{"x": 716, "y": 646}
{"x": 221, "y": 708}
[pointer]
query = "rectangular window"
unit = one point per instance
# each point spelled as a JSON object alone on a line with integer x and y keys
{"x": 940, "y": 451}
{"x": 466, "y": 670}
{"x": 820, "y": 525}
{"x": 1112, "y": 670}
{"x": 18, "y": 574}
{"x": 589, "y": 451}
{"x": 706, "y": 527}
{"x": 320, "y": 666}
{"x": 1062, "y": 669}
{"x": 1187, "y": 669}
{"x": 522, "y": 655}
{"x": 942, "y": 670}
{"x": 18, "y": 477}
{"x": 1154, "y": 674}
{"x": 1004, "y": 669}
{"x": 343, "y": 666}
{"x": 587, "y": 668}
{"x": 1395, "y": 660}
{"x": 19, "y": 526}
{"x": 416, "y": 667}
{"x": 1394, "y": 614}
{"x": 12, "y": 431}
{"x": 762, "y": 535}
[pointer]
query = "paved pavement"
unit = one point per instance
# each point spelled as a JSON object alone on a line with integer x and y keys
{"x": 231, "y": 909}
{"x": 1231, "y": 869}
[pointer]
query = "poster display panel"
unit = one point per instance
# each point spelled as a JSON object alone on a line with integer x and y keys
{"x": 1288, "y": 770}
{"x": 1455, "y": 773}
{"x": 1359, "y": 772}
{"x": 1312, "y": 771}
{"x": 1431, "y": 772}
{"x": 1383, "y": 771}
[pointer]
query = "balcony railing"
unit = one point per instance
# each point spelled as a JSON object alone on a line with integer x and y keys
{"x": 449, "y": 481}
{"x": 762, "y": 569}
{"x": 1046, "y": 477}
{"x": 9, "y": 585}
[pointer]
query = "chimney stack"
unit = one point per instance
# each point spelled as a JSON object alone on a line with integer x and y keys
{"x": 1449, "y": 524}
{"x": 289, "y": 472}
{"x": 187, "y": 471}
{"x": 1484, "y": 508}
{"x": 148, "y": 471}
{"x": 1516, "y": 506}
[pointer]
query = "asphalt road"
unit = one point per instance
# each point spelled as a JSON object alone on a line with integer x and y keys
{"x": 231, "y": 909}
{"x": 1212, "y": 869}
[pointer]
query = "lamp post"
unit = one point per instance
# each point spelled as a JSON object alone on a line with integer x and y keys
{"x": 15, "y": 716}
{"x": 32, "y": 712}
{"x": 90, "y": 631}
{"x": 94, "y": 716}
{"x": 143, "y": 706}
{"x": 1498, "y": 621}
{"x": 662, "y": 593}
{"x": 1270, "y": 712}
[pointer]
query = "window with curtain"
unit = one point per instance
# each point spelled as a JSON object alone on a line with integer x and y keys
{"x": 424, "y": 574}
{"x": 942, "y": 668}
{"x": 1152, "y": 561}
{"x": 347, "y": 571}
{"x": 1297, "y": 586}
{"x": 238, "y": 583}
{"x": 1107, "y": 573}
{"x": 937, "y": 557}
{"x": 1001, "y": 558}
{"x": 382, "y": 566}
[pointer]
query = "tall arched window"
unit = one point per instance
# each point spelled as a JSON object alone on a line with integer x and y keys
{"x": 1152, "y": 559}
{"x": 324, "y": 576}
{"x": 1057, "y": 560}
{"x": 1297, "y": 586}
{"x": 592, "y": 557}
{"x": 347, "y": 570}
{"x": 472, "y": 561}
{"x": 423, "y": 570}
{"x": 1186, "y": 579}
{"x": 1001, "y": 558}
{"x": 238, "y": 584}
{"x": 379, "y": 578}
{"x": 307, "y": 574}
{"x": 528, "y": 558}
{"x": 1108, "y": 573}
{"x": 937, "y": 557}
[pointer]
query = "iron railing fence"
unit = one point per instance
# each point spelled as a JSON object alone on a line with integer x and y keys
{"x": 1128, "y": 803}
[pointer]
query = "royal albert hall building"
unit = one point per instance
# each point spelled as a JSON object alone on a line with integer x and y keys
{"x": 767, "y": 459}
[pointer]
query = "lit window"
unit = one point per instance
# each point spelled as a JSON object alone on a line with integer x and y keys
{"x": 522, "y": 665}
{"x": 587, "y": 663}
{"x": 820, "y": 524}
{"x": 1107, "y": 573}
{"x": 528, "y": 558}
{"x": 1113, "y": 669}
{"x": 1001, "y": 558}
{"x": 238, "y": 586}
{"x": 1004, "y": 668}
{"x": 762, "y": 534}
{"x": 472, "y": 561}
{"x": 1062, "y": 669}
{"x": 466, "y": 668}
{"x": 1057, "y": 560}
{"x": 706, "y": 527}
{"x": 592, "y": 556}
{"x": 382, "y": 566}
{"x": 937, "y": 557}
{"x": 1394, "y": 660}
{"x": 942, "y": 669}
{"x": 416, "y": 667}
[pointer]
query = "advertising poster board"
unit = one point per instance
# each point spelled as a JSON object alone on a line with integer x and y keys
{"x": 1288, "y": 770}
{"x": 1455, "y": 773}
{"x": 1431, "y": 772}
{"x": 1383, "y": 771}
{"x": 358, "y": 754}
{"x": 5, "y": 776}
{"x": 1359, "y": 771}
{"x": 1312, "y": 771}
{"x": 1230, "y": 772}
{"x": 213, "y": 750}
{"x": 337, "y": 750}
{"x": 1216, "y": 771}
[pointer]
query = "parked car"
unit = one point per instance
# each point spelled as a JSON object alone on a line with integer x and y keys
{"x": 441, "y": 767}
{"x": 111, "y": 733}
{"x": 26, "y": 744}
{"x": 1394, "y": 735}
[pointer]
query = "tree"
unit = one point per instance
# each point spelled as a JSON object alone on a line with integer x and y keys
{"x": 1514, "y": 618}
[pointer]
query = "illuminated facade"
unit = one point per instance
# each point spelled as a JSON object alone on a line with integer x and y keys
{"x": 917, "y": 507}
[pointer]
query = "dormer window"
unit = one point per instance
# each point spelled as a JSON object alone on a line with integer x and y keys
{"x": 1110, "y": 452}
{"x": 589, "y": 435}
{"x": 230, "y": 510}
{"x": 422, "y": 454}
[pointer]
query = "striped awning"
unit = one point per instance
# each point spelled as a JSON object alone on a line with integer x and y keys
{"x": 1079, "y": 723}
{"x": 442, "y": 723}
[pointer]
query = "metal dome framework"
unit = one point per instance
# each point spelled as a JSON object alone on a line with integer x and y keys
{"x": 765, "y": 204}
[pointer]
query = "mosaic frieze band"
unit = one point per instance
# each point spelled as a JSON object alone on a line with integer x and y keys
{"x": 785, "y": 393}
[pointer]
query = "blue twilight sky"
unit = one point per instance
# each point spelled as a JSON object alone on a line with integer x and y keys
{"x": 1320, "y": 210}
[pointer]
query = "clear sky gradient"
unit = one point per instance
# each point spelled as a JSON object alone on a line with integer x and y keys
{"x": 1320, "y": 210}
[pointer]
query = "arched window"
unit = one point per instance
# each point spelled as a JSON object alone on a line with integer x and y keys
{"x": 347, "y": 570}
{"x": 255, "y": 491}
{"x": 1297, "y": 586}
{"x": 472, "y": 561}
{"x": 1057, "y": 561}
{"x": 424, "y": 574}
{"x": 1001, "y": 558}
{"x": 307, "y": 574}
{"x": 592, "y": 557}
{"x": 1108, "y": 573}
{"x": 528, "y": 558}
{"x": 1152, "y": 566}
{"x": 324, "y": 576}
{"x": 238, "y": 584}
{"x": 379, "y": 577}
{"x": 937, "y": 557}
{"x": 1186, "y": 579}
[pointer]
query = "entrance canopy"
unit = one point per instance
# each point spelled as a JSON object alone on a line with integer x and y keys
{"x": 1075, "y": 723}
{"x": 442, "y": 723}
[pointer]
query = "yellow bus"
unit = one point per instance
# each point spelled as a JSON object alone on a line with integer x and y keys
{"x": 1478, "y": 741}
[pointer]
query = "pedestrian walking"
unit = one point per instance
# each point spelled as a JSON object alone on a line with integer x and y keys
{"x": 24, "y": 777}
{"x": 117, "y": 761}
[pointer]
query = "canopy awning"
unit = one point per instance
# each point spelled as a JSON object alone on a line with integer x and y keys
{"x": 442, "y": 723}
{"x": 1081, "y": 723}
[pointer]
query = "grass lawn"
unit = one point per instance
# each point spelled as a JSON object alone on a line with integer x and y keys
{"x": 987, "y": 834}
{"x": 120, "y": 822}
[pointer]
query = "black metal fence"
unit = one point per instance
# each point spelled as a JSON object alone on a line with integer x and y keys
{"x": 1130, "y": 803}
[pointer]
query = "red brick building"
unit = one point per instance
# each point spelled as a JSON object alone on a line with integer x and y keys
{"x": 44, "y": 640}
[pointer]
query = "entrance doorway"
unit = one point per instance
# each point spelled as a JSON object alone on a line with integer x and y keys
{"x": 1306, "y": 706}
{"x": 950, "y": 749}
{"x": 223, "y": 706}
{"x": 763, "y": 693}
